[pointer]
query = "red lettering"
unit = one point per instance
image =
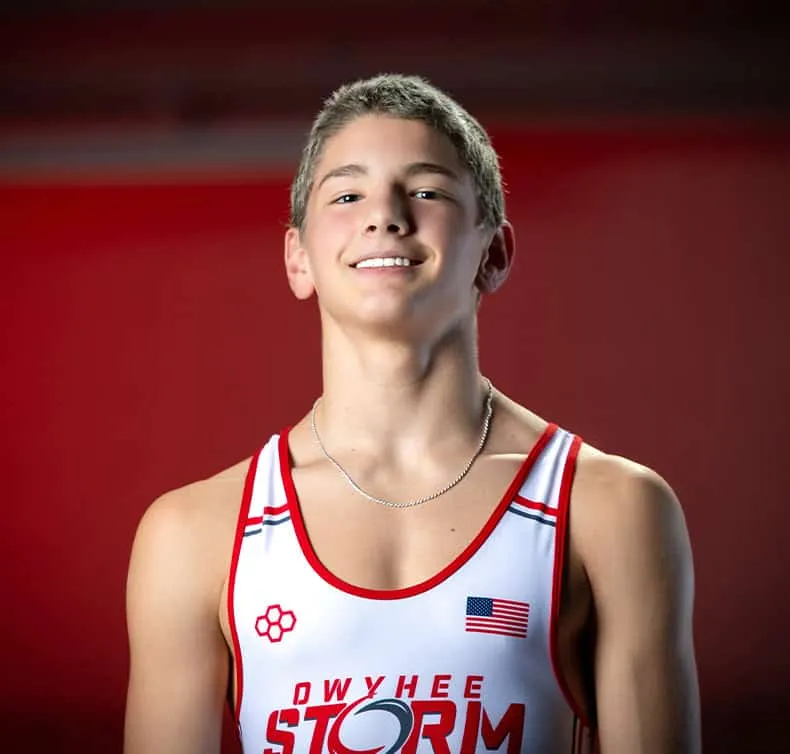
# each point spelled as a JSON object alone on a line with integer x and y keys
{"x": 511, "y": 726}
{"x": 373, "y": 686}
{"x": 435, "y": 732}
{"x": 472, "y": 688}
{"x": 471, "y": 728}
{"x": 441, "y": 685}
{"x": 411, "y": 686}
{"x": 322, "y": 714}
{"x": 336, "y": 689}
{"x": 302, "y": 693}
{"x": 274, "y": 735}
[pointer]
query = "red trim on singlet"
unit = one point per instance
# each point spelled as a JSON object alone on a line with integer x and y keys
{"x": 275, "y": 511}
{"x": 244, "y": 511}
{"x": 559, "y": 565}
{"x": 268, "y": 512}
{"x": 424, "y": 586}
{"x": 535, "y": 506}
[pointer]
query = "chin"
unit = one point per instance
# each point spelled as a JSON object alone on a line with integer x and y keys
{"x": 385, "y": 319}
{"x": 386, "y": 322}
{"x": 394, "y": 317}
{"x": 406, "y": 325}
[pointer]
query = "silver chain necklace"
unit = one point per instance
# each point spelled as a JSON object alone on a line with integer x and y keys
{"x": 411, "y": 503}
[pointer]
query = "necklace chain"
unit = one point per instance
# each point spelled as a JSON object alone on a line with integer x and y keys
{"x": 489, "y": 410}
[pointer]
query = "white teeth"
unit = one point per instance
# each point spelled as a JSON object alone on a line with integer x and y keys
{"x": 385, "y": 262}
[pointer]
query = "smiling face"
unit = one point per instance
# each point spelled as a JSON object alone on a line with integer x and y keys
{"x": 392, "y": 238}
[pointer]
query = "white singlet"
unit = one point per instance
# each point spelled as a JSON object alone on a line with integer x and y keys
{"x": 464, "y": 662}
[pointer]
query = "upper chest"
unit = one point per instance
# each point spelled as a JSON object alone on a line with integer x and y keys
{"x": 376, "y": 546}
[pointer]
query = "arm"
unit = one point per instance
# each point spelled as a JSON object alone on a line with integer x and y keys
{"x": 179, "y": 663}
{"x": 638, "y": 559}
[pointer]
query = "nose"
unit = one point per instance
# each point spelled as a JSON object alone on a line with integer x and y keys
{"x": 389, "y": 214}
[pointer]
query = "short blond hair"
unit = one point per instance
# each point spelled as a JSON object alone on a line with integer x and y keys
{"x": 410, "y": 98}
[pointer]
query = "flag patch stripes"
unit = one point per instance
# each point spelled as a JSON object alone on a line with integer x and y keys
{"x": 489, "y": 615}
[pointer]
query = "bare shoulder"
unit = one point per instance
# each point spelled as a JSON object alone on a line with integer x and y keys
{"x": 194, "y": 524}
{"x": 628, "y": 527}
{"x": 195, "y": 506}
{"x": 621, "y": 495}
{"x": 609, "y": 491}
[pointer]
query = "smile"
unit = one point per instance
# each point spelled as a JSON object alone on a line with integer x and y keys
{"x": 386, "y": 262}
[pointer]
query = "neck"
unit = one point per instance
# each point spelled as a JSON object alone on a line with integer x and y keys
{"x": 400, "y": 400}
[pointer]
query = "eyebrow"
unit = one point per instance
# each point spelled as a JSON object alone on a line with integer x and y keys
{"x": 352, "y": 169}
{"x": 419, "y": 168}
{"x": 415, "y": 168}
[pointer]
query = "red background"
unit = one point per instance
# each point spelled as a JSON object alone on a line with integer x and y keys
{"x": 149, "y": 339}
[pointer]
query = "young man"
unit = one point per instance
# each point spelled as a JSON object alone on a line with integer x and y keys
{"x": 420, "y": 564}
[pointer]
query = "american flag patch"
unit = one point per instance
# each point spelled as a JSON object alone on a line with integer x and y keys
{"x": 487, "y": 615}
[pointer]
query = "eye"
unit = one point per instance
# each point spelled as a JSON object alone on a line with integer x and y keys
{"x": 346, "y": 199}
{"x": 427, "y": 194}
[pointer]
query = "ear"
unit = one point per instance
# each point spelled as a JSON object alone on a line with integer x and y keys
{"x": 497, "y": 259}
{"x": 297, "y": 265}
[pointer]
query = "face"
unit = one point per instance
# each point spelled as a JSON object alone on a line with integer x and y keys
{"x": 392, "y": 238}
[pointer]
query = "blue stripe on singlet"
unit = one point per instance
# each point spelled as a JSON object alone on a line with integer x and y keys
{"x": 532, "y": 517}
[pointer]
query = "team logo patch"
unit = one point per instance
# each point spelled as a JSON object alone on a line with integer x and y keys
{"x": 396, "y": 707}
{"x": 275, "y": 622}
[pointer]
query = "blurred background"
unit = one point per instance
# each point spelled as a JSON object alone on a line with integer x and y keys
{"x": 149, "y": 339}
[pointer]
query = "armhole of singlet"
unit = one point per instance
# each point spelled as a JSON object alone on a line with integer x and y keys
{"x": 561, "y": 540}
{"x": 244, "y": 509}
{"x": 584, "y": 739}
